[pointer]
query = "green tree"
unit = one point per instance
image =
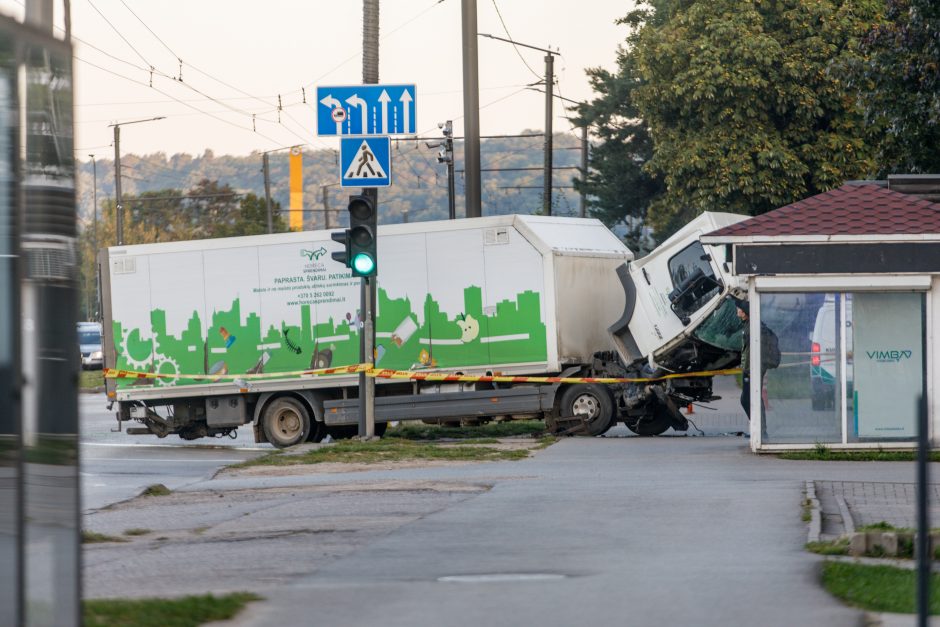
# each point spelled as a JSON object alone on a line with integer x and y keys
{"x": 900, "y": 81}
{"x": 618, "y": 187}
{"x": 252, "y": 218}
{"x": 747, "y": 102}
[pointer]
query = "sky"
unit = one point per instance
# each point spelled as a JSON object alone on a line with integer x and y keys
{"x": 241, "y": 58}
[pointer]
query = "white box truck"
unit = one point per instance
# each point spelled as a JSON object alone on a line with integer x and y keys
{"x": 508, "y": 295}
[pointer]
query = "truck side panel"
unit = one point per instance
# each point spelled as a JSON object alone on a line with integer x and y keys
{"x": 225, "y": 308}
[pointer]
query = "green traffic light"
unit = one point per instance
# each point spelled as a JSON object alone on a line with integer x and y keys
{"x": 363, "y": 264}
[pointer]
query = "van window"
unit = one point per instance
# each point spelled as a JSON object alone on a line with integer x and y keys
{"x": 693, "y": 280}
{"x": 89, "y": 336}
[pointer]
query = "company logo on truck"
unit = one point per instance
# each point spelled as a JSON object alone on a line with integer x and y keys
{"x": 313, "y": 254}
{"x": 890, "y": 356}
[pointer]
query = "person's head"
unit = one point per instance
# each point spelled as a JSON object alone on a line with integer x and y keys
{"x": 741, "y": 308}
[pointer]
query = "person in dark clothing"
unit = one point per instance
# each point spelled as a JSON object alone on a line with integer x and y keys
{"x": 743, "y": 311}
{"x": 771, "y": 359}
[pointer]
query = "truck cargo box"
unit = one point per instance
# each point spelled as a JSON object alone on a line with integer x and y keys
{"x": 514, "y": 294}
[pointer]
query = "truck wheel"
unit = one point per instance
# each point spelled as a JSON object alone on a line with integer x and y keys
{"x": 285, "y": 422}
{"x": 591, "y": 401}
{"x": 655, "y": 423}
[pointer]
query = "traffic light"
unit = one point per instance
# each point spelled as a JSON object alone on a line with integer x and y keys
{"x": 361, "y": 240}
{"x": 341, "y": 256}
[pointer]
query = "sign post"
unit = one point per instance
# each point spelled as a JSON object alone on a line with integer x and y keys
{"x": 363, "y": 117}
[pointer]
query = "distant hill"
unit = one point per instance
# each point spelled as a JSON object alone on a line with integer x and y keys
{"x": 419, "y": 181}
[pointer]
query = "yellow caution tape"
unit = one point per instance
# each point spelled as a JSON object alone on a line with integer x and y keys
{"x": 437, "y": 377}
{"x": 446, "y": 377}
{"x": 112, "y": 373}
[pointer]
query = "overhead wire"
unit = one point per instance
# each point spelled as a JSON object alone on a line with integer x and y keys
{"x": 120, "y": 34}
{"x": 514, "y": 47}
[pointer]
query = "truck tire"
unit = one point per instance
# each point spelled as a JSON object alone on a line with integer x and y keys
{"x": 286, "y": 422}
{"x": 655, "y": 423}
{"x": 592, "y": 401}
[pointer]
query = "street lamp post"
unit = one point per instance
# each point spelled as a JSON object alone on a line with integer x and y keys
{"x": 549, "y": 81}
{"x": 119, "y": 203}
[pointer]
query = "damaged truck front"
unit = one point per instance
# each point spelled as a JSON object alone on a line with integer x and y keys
{"x": 677, "y": 319}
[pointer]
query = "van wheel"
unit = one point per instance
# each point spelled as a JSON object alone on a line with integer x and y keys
{"x": 285, "y": 422}
{"x": 591, "y": 402}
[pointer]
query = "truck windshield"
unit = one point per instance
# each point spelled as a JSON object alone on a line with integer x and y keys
{"x": 693, "y": 280}
{"x": 89, "y": 337}
{"x": 722, "y": 329}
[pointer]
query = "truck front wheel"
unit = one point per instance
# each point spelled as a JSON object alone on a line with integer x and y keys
{"x": 592, "y": 403}
{"x": 654, "y": 423}
{"x": 286, "y": 422}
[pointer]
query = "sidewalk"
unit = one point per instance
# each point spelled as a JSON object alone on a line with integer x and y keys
{"x": 849, "y": 505}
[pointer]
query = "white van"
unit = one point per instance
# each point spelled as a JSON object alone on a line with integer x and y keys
{"x": 823, "y": 354}
{"x": 89, "y": 343}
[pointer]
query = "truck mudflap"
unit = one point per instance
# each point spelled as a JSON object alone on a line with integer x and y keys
{"x": 620, "y": 331}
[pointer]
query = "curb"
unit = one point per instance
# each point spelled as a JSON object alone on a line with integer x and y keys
{"x": 815, "y": 513}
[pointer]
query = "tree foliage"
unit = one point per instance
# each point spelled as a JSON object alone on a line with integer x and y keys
{"x": 618, "y": 188}
{"x": 207, "y": 210}
{"x": 748, "y": 104}
{"x": 900, "y": 80}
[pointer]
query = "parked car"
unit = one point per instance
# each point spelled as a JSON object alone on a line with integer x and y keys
{"x": 89, "y": 342}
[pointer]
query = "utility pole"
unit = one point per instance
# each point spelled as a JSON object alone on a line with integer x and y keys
{"x": 547, "y": 182}
{"x": 266, "y": 169}
{"x": 446, "y": 155}
{"x": 119, "y": 202}
{"x": 325, "y": 193}
{"x": 94, "y": 232}
{"x": 471, "y": 110}
{"x": 549, "y": 88}
{"x": 94, "y": 195}
{"x": 119, "y": 208}
{"x": 584, "y": 168}
{"x": 370, "y": 76}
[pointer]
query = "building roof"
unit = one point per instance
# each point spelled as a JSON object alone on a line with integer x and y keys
{"x": 863, "y": 209}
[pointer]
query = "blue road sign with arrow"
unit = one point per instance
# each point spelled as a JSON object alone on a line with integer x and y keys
{"x": 366, "y": 110}
{"x": 365, "y": 161}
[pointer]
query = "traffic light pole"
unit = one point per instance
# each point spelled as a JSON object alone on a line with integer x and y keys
{"x": 370, "y": 75}
{"x": 367, "y": 344}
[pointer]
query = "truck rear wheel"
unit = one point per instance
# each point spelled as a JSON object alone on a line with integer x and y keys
{"x": 286, "y": 422}
{"x": 591, "y": 402}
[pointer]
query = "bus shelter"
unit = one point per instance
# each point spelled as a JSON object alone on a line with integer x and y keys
{"x": 848, "y": 282}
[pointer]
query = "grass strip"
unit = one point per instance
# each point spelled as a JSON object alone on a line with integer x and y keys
{"x": 184, "y": 612}
{"x": 385, "y": 450}
{"x": 877, "y": 588}
{"x": 828, "y": 455}
{"x": 509, "y": 428}
{"x": 93, "y": 537}
{"x": 91, "y": 379}
{"x": 156, "y": 489}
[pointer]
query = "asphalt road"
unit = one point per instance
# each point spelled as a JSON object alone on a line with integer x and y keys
{"x": 615, "y": 531}
{"x": 117, "y": 466}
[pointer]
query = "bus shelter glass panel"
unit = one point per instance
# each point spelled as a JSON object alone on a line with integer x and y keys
{"x": 800, "y": 397}
{"x": 885, "y": 365}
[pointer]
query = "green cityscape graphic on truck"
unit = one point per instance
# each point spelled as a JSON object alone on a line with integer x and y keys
{"x": 512, "y": 332}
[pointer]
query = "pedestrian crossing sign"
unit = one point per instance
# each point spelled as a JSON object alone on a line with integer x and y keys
{"x": 365, "y": 161}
